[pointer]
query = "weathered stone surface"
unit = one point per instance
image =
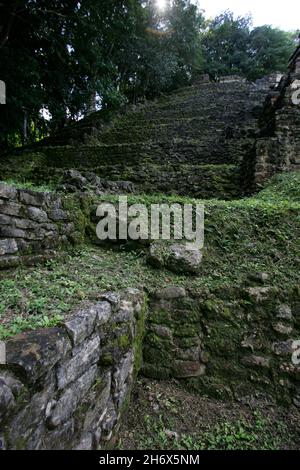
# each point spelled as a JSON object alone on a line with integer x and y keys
{"x": 25, "y": 219}
{"x": 11, "y": 208}
{"x": 37, "y": 352}
{"x": 7, "y": 192}
{"x": 163, "y": 331}
{"x": 185, "y": 369}
{"x": 113, "y": 298}
{"x": 73, "y": 181}
{"x": 58, "y": 215}
{"x": 125, "y": 312}
{"x": 67, "y": 404}
{"x": 6, "y": 219}
{"x": 84, "y": 357}
{"x": 26, "y": 224}
{"x": 177, "y": 258}
{"x": 65, "y": 400}
{"x": 27, "y": 429}
{"x": 7, "y": 400}
{"x": 109, "y": 419}
{"x": 8, "y": 247}
{"x": 278, "y": 148}
{"x": 184, "y": 260}
{"x": 86, "y": 442}
{"x": 191, "y": 354}
{"x": 9, "y": 261}
{"x": 122, "y": 379}
{"x": 256, "y": 361}
{"x": 60, "y": 439}
{"x": 31, "y": 198}
{"x": 82, "y": 324}
{"x": 11, "y": 232}
{"x": 258, "y": 294}
{"x": 104, "y": 312}
{"x": 284, "y": 312}
{"x": 36, "y": 214}
{"x": 283, "y": 348}
{"x": 171, "y": 292}
{"x": 15, "y": 385}
{"x": 283, "y": 329}
{"x": 99, "y": 403}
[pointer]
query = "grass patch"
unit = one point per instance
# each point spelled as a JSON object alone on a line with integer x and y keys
{"x": 241, "y": 238}
{"x": 30, "y": 186}
{"x": 284, "y": 186}
{"x": 167, "y": 416}
{"x": 241, "y": 435}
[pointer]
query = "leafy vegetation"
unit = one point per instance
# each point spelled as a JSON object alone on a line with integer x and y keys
{"x": 161, "y": 419}
{"x": 28, "y": 185}
{"x": 240, "y": 435}
{"x": 79, "y": 56}
{"x": 232, "y": 47}
{"x": 259, "y": 234}
{"x": 283, "y": 187}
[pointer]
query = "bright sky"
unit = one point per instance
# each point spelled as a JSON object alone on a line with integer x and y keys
{"x": 285, "y": 15}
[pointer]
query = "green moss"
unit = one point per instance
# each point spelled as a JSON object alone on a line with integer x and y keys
{"x": 139, "y": 338}
{"x": 156, "y": 371}
{"x": 187, "y": 330}
{"x": 106, "y": 360}
{"x": 211, "y": 386}
{"x": 124, "y": 342}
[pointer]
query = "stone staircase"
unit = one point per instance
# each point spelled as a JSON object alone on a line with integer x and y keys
{"x": 190, "y": 142}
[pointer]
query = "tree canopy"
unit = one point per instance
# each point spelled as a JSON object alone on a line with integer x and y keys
{"x": 66, "y": 59}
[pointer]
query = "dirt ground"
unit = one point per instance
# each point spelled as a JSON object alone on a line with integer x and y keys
{"x": 165, "y": 416}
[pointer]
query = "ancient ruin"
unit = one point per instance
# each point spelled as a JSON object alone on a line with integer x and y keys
{"x": 224, "y": 323}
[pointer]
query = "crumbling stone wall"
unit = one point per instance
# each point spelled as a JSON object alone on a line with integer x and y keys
{"x": 278, "y": 148}
{"x": 32, "y": 225}
{"x": 67, "y": 387}
{"x": 231, "y": 343}
{"x": 190, "y": 142}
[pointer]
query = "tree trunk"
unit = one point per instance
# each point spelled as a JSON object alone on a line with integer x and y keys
{"x": 25, "y": 128}
{"x": 92, "y": 103}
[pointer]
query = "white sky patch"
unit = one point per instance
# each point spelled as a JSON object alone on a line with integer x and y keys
{"x": 161, "y": 4}
{"x": 284, "y": 15}
{"x": 46, "y": 114}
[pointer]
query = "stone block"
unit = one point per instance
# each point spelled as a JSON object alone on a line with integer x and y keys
{"x": 186, "y": 369}
{"x": 31, "y": 198}
{"x": 37, "y": 352}
{"x": 104, "y": 312}
{"x": 82, "y": 324}
{"x": 11, "y": 208}
{"x": 170, "y": 293}
{"x": 256, "y": 361}
{"x": 37, "y": 214}
{"x": 11, "y": 232}
{"x": 86, "y": 355}
{"x": 58, "y": 215}
{"x": 8, "y": 247}
{"x": 7, "y": 401}
{"x": 7, "y": 192}
{"x": 65, "y": 407}
{"x": 125, "y": 313}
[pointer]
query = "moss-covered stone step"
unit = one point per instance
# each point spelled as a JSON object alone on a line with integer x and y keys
{"x": 199, "y": 180}
{"x": 212, "y": 125}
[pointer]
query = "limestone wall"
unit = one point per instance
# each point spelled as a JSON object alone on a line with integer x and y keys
{"x": 67, "y": 387}
{"x": 232, "y": 343}
{"x": 32, "y": 225}
{"x": 278, "y": 148}
{"x": 191, "y": 142}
